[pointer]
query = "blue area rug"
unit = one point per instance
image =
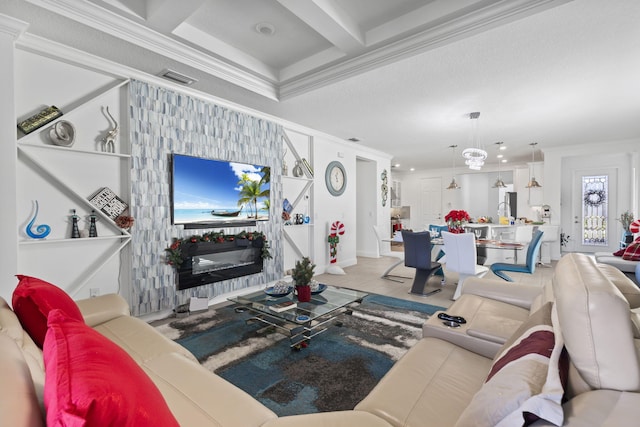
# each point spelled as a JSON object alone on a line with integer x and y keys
{"x": 337, "y": 370}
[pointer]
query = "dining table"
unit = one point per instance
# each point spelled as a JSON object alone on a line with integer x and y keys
{"x": 439, "y": 241}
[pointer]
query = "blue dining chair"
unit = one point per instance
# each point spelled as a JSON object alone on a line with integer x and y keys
{"x": 417, "y": 254}
{"x": 532, "y": 257}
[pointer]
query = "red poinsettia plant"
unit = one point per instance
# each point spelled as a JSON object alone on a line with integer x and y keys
{"x": 455, "y": 219}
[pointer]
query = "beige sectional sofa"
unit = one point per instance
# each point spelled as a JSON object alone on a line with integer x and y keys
{"x": 441, "y": 381}
{"x": 624, "y": 265}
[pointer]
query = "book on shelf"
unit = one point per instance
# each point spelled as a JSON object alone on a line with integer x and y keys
{"x": 108, "y": 202}
{"x": 287, "y": 206}
{"x": 283, "y": 306}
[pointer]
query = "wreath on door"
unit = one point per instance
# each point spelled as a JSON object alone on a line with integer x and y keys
{"x": 594, "y": 197}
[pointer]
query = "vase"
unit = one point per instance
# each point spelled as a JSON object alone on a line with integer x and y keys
{"x": 303, "y": 293}
{"x": 628, "y": 237}
{"x": 455, "y": 227}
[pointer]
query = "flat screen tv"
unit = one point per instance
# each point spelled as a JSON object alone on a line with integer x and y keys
{"x": 209, "y": 193}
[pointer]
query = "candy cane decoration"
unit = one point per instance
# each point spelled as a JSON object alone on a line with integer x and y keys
{"x": 337, "y": 229}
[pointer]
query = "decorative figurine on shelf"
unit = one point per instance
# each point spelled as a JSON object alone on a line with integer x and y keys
{"x": 42, "y": 230}
{"x": 63, "y": 133}
{"x": 337, "y": 229}
{"x": 75, "y": 231}
{"x": 297, "y": 170}
{"x": 109, "y": 141}
{"x": 93, "y": 232}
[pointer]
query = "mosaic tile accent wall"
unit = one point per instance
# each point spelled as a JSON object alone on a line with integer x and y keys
{"x": 162, "y": 122}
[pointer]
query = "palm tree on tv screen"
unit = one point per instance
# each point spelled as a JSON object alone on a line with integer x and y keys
{"x": 250, "y": 193}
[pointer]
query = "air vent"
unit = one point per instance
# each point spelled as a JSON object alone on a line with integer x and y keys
{"x": 177, "y": 77}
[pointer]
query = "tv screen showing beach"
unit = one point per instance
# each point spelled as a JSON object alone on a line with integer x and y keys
{"x": 206, "y": 191}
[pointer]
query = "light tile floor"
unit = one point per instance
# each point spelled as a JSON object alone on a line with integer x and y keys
{"x": 365, "y": 276}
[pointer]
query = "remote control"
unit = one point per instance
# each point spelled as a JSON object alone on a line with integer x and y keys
{"x": 449, "y": 317}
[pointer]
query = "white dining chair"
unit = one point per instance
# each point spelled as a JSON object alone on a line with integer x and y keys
{"x": 378, "y": 230}
{"x": 462, "y": 258}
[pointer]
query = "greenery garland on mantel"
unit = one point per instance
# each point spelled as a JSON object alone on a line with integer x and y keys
{"x": 174, "y": 251}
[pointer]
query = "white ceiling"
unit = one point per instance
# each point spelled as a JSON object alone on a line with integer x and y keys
{"x": 400, "y": 75}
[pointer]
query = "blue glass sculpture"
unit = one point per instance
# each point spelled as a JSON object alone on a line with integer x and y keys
{"x": 42, "y": 230}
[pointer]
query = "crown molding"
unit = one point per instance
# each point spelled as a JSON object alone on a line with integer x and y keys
{"x": 12, "y": 27}
{"x": 133, "y": 32}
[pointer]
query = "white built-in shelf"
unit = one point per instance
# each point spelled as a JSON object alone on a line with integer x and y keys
{"x": 29, "y": 145}
{"x": 297, "y": 178}
{"x": 72, "y": 112}
{"x": 47, "y": 160}
{"x": 70, "y": 240}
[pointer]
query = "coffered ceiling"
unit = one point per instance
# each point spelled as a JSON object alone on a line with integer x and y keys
{"x": 400, "y": 75}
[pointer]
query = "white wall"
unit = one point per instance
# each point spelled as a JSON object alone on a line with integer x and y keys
{"x": 344, "y": 208}
{"x": 477, "y": 195}
{"x": 561, "y": 162}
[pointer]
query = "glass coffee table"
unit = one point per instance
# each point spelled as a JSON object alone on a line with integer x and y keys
{"x": 306, "y": 319}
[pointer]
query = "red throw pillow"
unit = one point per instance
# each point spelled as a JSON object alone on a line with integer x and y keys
{"x": 32, "y": 301}
{"x": 619, "y": 253}
{"x": 632, "y": 252}
{"x": 91, "y": 381}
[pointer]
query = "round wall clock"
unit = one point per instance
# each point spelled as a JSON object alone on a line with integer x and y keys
{"x": 336, "y": 178}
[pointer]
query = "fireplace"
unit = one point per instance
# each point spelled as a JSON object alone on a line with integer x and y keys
{"x": 209, "y": 262}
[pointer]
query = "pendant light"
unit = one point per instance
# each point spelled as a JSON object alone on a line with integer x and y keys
{"x": 532, "y": 181}
{"x": 454, "y": 185}
{"x": 499, "y": 182}
{"x": 474, "y": 155}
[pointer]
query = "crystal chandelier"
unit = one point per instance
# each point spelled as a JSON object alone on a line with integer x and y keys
{"x": 532, "y": 182}
{"x": 454, "y": 185}
{"x": 475, "y": 155}
{"x": 499, "y": 182}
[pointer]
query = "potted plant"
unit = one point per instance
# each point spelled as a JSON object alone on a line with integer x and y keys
{"x": 626, "y": 219}
{"x": 302, "y": 274}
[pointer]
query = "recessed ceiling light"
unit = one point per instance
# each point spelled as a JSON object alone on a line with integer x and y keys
{"x": 500, "y": 156}
{"x": 397, "y": 165}
{"x": 412, "y": 169}
{"x": 504, "y": 160}
{"x": 265, "y": 29}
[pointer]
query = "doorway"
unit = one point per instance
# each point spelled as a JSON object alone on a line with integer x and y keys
{"x": 367, "y": 192}
{"x": 430, "y": 202}
{"x": 593, "y": 210}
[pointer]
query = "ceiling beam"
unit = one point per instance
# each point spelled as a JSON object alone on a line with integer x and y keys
{"x": 167, "y": 15}
{"x": 330, "y": 21}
